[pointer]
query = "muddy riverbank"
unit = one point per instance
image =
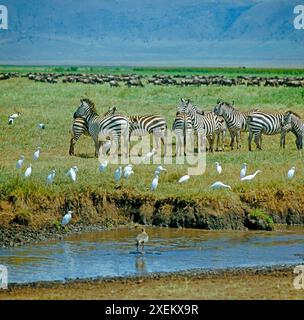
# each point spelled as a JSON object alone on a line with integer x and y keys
{"x": 242, "y": 283}
{"x": 37, "y": 217}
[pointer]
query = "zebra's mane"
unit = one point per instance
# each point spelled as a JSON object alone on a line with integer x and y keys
{"x": 294, "y": 113}
{"x": 90, "y": 103}
{"x": 228, "y": 105}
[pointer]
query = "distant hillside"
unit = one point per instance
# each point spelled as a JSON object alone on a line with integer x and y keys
{"x": 188, "y": 32}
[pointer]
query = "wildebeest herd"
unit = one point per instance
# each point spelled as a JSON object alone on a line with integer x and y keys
{"x": 189, "y": 119}
{"x": 136, "y": 80}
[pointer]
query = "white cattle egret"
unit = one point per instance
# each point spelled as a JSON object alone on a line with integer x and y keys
{"x": 50, "y": 178}
{"x": 41, "y": 126}
{"x": 243, "y": 171}
{"x": 37, "y": 154}
{"x": 149, "y": 155}
{"x": 28, "y": 171}
{"x": 161, "y": 168}
{"x": 291, "y": 172}
{"x": 66, "y": 218}
{"x": 103, "y": 166}
{"x": 220, "y": 185}
{"x": 72, "y": 173}
{"x": 127, "y": 173}
{"x": 251, "y": 176}
{"x": 128, "y": 168}
{"x": 218, "y": 168}
{"x": 106, "y": 147}
{"x": 13, "y": 117}
{"x": 20, "y": 162}
{"x": 118, "y": 174}
{"x": 154, "y": 183}
{"x": 141, "y": 239}
{"x": 184, "y": 179}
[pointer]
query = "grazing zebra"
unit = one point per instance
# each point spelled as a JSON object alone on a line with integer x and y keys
{"x": 206, "y": 123}
{"x": 115, "y": 126}
{"x": 236, "y": 120}
{"x": 182, "y": 126}
{"x": 297, "y": 127}
{"x": 141, "y": 125}
{"x": 263, "y": 123}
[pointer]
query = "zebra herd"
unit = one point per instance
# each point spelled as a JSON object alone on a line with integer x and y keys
{"x": 189, "y": 120}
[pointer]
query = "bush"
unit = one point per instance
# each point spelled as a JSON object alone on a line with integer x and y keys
{"x": 259, "y": 220}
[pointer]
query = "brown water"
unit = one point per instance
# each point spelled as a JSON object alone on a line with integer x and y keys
{"x": 113, "y": 253}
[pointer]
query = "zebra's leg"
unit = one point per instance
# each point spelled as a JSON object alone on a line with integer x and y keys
{"x": 250, "y": 139}
{"x": 72, "y": 144}
{"x": 238, "y": 139}
{"x": 232, "y": 134}
{"x": 257, "y": 140}
{"x": 282, "y": 140}
{"x": 218, "y": 136}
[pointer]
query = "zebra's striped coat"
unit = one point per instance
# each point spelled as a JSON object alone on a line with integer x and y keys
{"x": 296, "y": 125}
{"x": 263, "y": 123}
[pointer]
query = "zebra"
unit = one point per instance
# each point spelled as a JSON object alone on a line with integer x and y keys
{"x": 236, "y": 120}
{"x": 80, "y": 127}
{"x": 141, "y": 125}
{"x": 296, "y": 126}
{"x": 182, "y": 126}
{"x": 207, "y": 123}
{"x": 115, "y": 126}
{"x": 263, "y": 123}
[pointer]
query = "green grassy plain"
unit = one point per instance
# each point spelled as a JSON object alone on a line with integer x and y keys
{"x": 54, "y": 104}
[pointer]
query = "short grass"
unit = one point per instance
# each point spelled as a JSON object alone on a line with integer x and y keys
{"x": 54, "y": 104}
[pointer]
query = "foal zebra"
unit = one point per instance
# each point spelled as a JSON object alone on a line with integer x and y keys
{"x": 236, "y": 120}
{"x": 115, "y": 126}
{"x": 296, "y": 125}
{"x": 263, "y": 123}
{"x": 141, "y": 125}
{"x": 182, "y": 126}
{"x": 206, "y": 122}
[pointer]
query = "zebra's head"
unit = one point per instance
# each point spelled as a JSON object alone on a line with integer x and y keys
{"x": 85, "y": 108}
{"x": 221, "y": 106}
{"x": 288, "y": 117}
{"x": 111, "y": 111}
{"x": 184, "y": 105}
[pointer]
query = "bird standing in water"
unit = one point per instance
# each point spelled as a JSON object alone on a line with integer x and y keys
{"x": 141, "y": 239}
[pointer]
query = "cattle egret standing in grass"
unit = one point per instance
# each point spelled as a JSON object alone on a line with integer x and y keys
{"x": 28, "y": 171}
{"x": 127, "y": 173}
{"x": 154, "y": 183}
{"x": 220, "y": 185}
{"x": 66, "y": 219}
{"x": 36, "y": 154}
{"x": 128, "y": 168}
{"x": 218, "y": 168}
{"x": 13, "y": 117}
{"x": 20, "y": 162}
{"x": 251, "y": 176}
{"x": 149, "y": 155}
{"x": 291, "y": 172}
{"x": 72, "y": 173}
{"x": 184, "y": 179}
{"x": 103, "y": 166}
{"x": 141, "y": 239}
{"x": 243, "y": 171}
{"x": 41, "y": 126}
{"x": 51, "y": 177}
{"x": 161, "y": 168}
{"x": 118, "y": 174}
